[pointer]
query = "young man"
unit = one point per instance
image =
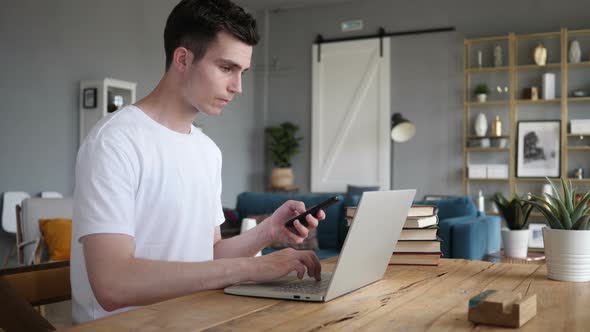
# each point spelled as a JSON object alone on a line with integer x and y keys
{"x": 147, "y": 205}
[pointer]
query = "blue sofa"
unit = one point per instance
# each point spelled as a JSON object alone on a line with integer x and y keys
{"x": 465, "y": 232}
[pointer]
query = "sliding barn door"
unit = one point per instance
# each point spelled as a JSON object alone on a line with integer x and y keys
{"x": 350, "y": 115}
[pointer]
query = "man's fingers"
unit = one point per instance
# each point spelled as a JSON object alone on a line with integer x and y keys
{"x": 303, "y": 232}
{"x": 311, "y": 221}
{"x": 297, "y": 207}
{"x": 310, "y": 260}
{"x": 300, "y": 268}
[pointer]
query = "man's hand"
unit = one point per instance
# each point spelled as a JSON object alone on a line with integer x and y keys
{"x": 275, "y": 224}
{"x": 281, "y": 263}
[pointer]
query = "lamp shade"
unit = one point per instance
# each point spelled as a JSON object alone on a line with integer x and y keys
{"x": 402, "y": 130}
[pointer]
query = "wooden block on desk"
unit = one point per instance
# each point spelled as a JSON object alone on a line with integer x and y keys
{"x": 502, "y": 308}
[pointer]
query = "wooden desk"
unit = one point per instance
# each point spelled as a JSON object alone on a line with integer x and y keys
{"x": 409, "y": 298}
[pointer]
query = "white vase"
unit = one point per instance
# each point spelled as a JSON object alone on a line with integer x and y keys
{"x": 567, "y": 253}
{"x": 540, "y": 55}
{"x": 575, "y": 54}
{"x": 481, "y": 125}
{"x": 516, "y": 243}
{"x": 481, "y": 97}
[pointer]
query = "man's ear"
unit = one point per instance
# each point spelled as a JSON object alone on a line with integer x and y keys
{"x": 182, "y": 58}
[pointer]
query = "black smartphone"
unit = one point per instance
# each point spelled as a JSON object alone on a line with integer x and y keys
{"x": 313, "y": 211}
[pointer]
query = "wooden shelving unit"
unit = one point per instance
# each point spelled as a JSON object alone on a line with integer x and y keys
{"x": 518, "y": 72}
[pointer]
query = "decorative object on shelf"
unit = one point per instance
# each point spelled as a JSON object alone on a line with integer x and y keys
{"x": 536, "y": 235}
{"x": 579, "y": 173}
{"x": 284, "y": 145}
{"x": 534, "y": 93}
{"x": 479, "y": 59}
{"x": 499, "y": 142}
{"x": 89, "y": 98}
{"x": 580, "y": 93}
{"x": 516, "y": 213}
{"x": 575, "y": 54}
{"x": 567, "y": 243}
{"x": 481, "y": 92}
{"x": 540, "y": 55}
{"x": 498, "y": 61}
{"x": 497, "y": 127}
{"x": 538, "y": 148}
{"x": 481, "y": 125}
{"x": 481, "y": 202}
{"x": 580, "y": 126}
{"x": 548, "y": 86}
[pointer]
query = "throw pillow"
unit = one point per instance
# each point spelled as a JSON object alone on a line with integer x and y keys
{"x": 58, "y": 235}
{"x": 310, "y": 243}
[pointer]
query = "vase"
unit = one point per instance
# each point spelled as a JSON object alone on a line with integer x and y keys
{"x": 481, "y": 125}
{"x": 575, "y": 54}
{"x": 516, "y": 243}
{"x": 540, "y": 55}
{"x": 481, "y": 97}
{"x": 281, "y": 177}
{"x": 567, "y": 253}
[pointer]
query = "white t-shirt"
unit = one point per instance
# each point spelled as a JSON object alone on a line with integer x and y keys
{"x": 134, "y": 176}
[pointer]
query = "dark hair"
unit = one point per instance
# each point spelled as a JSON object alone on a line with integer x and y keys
{"x": 194, "y": 24}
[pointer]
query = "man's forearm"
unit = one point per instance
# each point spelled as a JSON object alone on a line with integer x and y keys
{"x": 243, "y": 245}
{"x": 143, "y": 282}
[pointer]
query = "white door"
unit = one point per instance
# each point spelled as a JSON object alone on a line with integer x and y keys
{"x": 350, "y": 115}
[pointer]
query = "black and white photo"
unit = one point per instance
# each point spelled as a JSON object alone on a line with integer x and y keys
{"x": 538, "y": 149}
{"x": 89, "y": 98}
{"x": 536, "y": 235}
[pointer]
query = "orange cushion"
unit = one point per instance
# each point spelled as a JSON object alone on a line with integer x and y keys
{"x": 58, "y": 235}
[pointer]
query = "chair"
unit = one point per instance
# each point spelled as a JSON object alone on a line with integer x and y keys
{"x": 30, "y": 247}
{"x": 21, "y": 288}
{"x": 10, "y": 199}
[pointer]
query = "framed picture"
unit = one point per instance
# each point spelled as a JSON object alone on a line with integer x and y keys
{"x": 536, "y": 236}
{"x": 538, "y": 149}
{"x": 89, "y": 98}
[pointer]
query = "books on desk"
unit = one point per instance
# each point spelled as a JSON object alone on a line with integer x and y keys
{"x": 429, "y": 259}
{"x": 419, "y": 216}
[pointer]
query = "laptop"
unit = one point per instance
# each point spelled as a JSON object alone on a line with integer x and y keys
{"x": 364, "y": 258}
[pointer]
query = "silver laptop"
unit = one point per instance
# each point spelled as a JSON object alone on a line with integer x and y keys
{"x": 365, "y": 255}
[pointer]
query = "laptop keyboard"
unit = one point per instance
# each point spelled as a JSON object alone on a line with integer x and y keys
{"x": 307, "y": 286}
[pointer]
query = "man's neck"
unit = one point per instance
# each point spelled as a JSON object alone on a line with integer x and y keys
{"x": 164, "y": 105}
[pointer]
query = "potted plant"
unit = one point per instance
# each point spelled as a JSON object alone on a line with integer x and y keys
{"x": 481, "y": 92}
{"x": 283, "y": 145}
{"x": 567, "y": 242}
{"x": 516, "y": 214}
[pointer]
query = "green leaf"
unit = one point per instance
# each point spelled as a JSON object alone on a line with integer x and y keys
{"x": 551, "y": 219}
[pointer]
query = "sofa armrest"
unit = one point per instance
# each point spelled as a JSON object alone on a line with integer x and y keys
{"x": 469, "y": 237}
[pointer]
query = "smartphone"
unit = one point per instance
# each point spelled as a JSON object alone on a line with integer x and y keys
{"x": 313, "y": 211}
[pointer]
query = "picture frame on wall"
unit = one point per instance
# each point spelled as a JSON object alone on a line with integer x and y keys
{"x": 89, "y": 98}
{"x": 538, "y": 149}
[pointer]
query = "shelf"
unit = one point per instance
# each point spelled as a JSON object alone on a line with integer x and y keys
{"x": 487, "y": 149}
{"x": 482, "y": 137}
{"x": 578, "y": 135}
{"x": 578, "y": 99}
{"x": 487, "y": 180}
{"x": 540, "y": 101}
{"x": 489, "y": 103}
{"x": 579, "y": 148}
{"x": 487, "y": 70}
{"x": 537, "y": 67}
{"x": 533, "y": 179}
{"x": 579, "y": 180}
{"x": 579, "y": 64}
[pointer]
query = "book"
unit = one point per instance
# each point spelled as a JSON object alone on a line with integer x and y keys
{"x": 419, "y": 234}
{"x": 417, "y": 246}
{"x": 417, "y": 211}
{"x": 428, "y": 259}
{"x": 421, "y": 222}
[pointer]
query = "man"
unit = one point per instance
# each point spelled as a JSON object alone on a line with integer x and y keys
{"x": 147, "y": 205}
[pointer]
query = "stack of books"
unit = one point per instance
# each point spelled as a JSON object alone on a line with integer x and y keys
{"x": 418, "y": 243}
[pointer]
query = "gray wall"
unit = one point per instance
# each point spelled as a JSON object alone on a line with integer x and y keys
{"x": 47, "y": 47}
{"x": 427, "y": 83}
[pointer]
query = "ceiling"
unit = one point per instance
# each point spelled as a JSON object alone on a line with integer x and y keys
{"x": 287, "y": 4}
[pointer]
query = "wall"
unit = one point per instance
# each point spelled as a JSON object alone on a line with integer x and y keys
{"x": 427, "y": 83}
{"x": 47, "y": 47}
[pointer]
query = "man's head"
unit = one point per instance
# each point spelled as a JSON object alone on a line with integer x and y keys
{"x": 208, "y": 43}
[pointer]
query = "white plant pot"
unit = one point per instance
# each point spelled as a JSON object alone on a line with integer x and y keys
{"x": 567, "y": 254}
{"x": 482, "y": 97}
{"x": 516, "y": 243}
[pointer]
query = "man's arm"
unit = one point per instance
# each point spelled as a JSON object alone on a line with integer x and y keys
{"x": 118, "y": 279}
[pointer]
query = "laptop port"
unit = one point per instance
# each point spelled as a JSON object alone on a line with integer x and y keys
{"x": 296, "y": 296}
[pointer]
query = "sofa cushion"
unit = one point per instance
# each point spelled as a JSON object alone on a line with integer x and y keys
{"x": 252, "y": 203}
{"x": 452, "y": 207}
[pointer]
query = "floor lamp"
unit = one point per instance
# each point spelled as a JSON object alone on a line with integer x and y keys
{"x": 402, "y": 130}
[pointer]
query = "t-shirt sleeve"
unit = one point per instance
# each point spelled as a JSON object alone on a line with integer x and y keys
{"x": 220, "y": 217}
{"x": 104, "y": 195}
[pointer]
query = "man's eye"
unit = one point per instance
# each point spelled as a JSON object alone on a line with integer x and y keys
{"x": 225, "y": 69}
